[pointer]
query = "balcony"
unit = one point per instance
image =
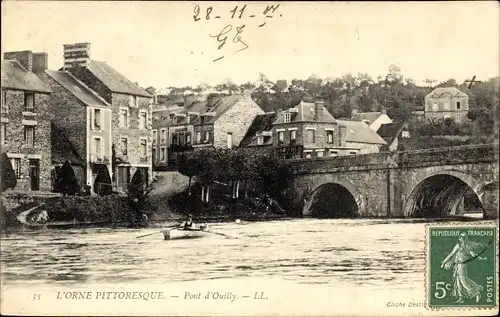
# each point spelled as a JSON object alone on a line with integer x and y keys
{"x": 180, "y": 148}
{"x": 99, "y": 159}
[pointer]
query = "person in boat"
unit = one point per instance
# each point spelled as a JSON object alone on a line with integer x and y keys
{"x": 188, "y": 224}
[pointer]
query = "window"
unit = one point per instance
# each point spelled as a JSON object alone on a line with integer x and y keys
{"x": 458, "y": 118}
{"x": 123, "y": 118}
{"x": 310, "y": 135}
{"x": 29, "y": 135}
{"x": 155, "y": 135}
{"x": 16, "y": 165}
{"x": 286, "y": 117}
{"x": 405, "y": 134}
{"x": 29, "y": 101}
{"x": 308, "y": 154}
{"x": 143, "y": 120}
{"x": 144, "y": 146}
{"x": 352, "y": 153}
{"x": 97, "y": 119}
{"x": 188, "y": 138}
{"x": 334, "y": 153}
{"x": 434, "y": 105}
{"x": 163, "y": 135}
{"x": 293, "y": 135}
{"x": 174, "y": 120}
{"x": 153, "y": 154}
{"x": 281, "y": 136}
{"x": 260, "y": 140}
{"x": 446, "y": 105}
{"x": 329, "y": 136}
{"x": 319, "y": 153}
{"x": 162, "y": 154}
{"x": 175, "y": 139}
{"x": 133, "y": 101}
{"x": 229, "y": 140}
{"x": 5, "y": 106}
{"x": 98, "y": 148}
{"x": 207, "y": 136}
{"x": 458, "y": 105}
{"x": 3, "y": 134}
{"x": 198, "y": 136}
{"x": 124, "y": 145}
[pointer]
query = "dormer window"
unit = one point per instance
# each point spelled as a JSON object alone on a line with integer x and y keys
{"x": 174, "y": 120}
{"x": 286, "y": 117}
{"x": 260, "y": 140}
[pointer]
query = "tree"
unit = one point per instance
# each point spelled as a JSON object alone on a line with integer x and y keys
{"x": 66, "y": 180}
{"x": 138, "y": 196}
{"x": 189, "y": 165}
{"x": 7, "y": 174}
{"x": 209, "y": 170}
{"x": 102, "y": 183}
{"x": 273, "y": 175}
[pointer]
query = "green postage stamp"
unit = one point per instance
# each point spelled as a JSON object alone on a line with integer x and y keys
{"x": 461, "y": 267}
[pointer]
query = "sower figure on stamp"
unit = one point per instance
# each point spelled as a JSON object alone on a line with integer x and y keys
{"x": 464, "y": 252}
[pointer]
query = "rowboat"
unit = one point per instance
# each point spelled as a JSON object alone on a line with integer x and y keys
{"x": 178, "y": 233}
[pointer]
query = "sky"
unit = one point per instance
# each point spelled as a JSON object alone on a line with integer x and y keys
{"x": 160, "y": 44}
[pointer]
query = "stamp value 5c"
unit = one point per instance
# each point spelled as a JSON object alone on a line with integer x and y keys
{"x": 461, "y": 267}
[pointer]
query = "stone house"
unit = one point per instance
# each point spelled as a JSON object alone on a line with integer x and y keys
{"x": 359, "y": 138}
{"x": 26, "y": 120}
{"x": 130, "y": 108}
{"x": 224, "y": 121}
{"x": 446, "y": 102}
{"x": 259, "y": 136}
{"x": 372, "y": 119}
{"x": 306, "y": 130}
{"x": 84, "y": 118}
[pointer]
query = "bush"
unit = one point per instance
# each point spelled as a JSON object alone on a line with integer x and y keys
{"x": 7, "y": 174}
{"x": 102, "y": 183}
{"x": 66, "y": 180}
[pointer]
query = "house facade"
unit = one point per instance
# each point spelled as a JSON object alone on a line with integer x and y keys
{"x": 392, "y": 133}
{"x": 25, "y": 134}
{"x": 259, "y": 136}
{"x": 131, "y": 115}
{"x": 306, "y": 130}
{"x": 373, "y": 119}
{"x": 446, "y": 102}
{"x": 84, "y": 118}
{"x": 224, "y": 121}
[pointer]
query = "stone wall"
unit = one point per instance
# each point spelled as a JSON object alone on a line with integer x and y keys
{"x": 92, "y": 82}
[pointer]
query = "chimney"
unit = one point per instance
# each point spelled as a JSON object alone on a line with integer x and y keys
{"x": 319, "y": 105}
{"x": 384, "y": 111}
{"x": 354, "y": 112}
{"x": 76, "y": 55}
{"x": 25, "y": 58}
{"x": 342, "y": 135}
{"x": 278, "y": 113}
{"x": 40, "y": 61}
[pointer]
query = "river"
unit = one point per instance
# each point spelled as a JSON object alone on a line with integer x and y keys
{"x": 335, "y": 255}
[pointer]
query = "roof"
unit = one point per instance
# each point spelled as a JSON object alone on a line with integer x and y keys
{"x": 15, "y": 76}
{"x": 262, "y": 122}
{"x": 360, "y": 132}
{"x": 220, "y": 106}
{"x": 62, "y": 149}
{"x": 114, "y": 80}
{"x": 306, "y": 113}
{"x": 438, "y": 92}
{"x": 166, "y": 121}
{"x": 370, "y": 116}
{"x": 77, "y": 88}
{"x": 390, "y": 131}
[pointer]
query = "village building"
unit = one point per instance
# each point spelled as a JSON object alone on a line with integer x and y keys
{"x": 446, "y": 102}
{"x": 224, "y": 121}
{"x": 259, "y": 137}
{"x": 25, "y": 134}
{"x": 130, "y": 108}
{"x": 81, "y": 120}
{"x": 373, "y": 119}
{"x": 392, "y": 133}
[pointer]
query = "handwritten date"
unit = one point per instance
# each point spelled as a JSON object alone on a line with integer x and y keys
{"x": 235, "y": 12}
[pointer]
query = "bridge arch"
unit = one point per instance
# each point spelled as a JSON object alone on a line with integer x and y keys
{"x": 335, "y": 197}
{"x": 438, "y": 193}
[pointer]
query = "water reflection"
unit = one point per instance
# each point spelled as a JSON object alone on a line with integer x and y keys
{"x": 349, "y": 252}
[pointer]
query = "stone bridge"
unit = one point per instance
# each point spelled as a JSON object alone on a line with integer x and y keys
{"x": 422, "y": 183}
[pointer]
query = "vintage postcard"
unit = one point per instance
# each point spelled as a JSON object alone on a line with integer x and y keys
{"x": 178, "y": 158}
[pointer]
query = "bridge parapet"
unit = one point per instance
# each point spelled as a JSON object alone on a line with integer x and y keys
{"x": 389, "y": 160}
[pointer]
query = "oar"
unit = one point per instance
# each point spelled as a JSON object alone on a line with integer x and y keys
{"x": 149, "y": 234}
{"x": 221, "y": 234}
